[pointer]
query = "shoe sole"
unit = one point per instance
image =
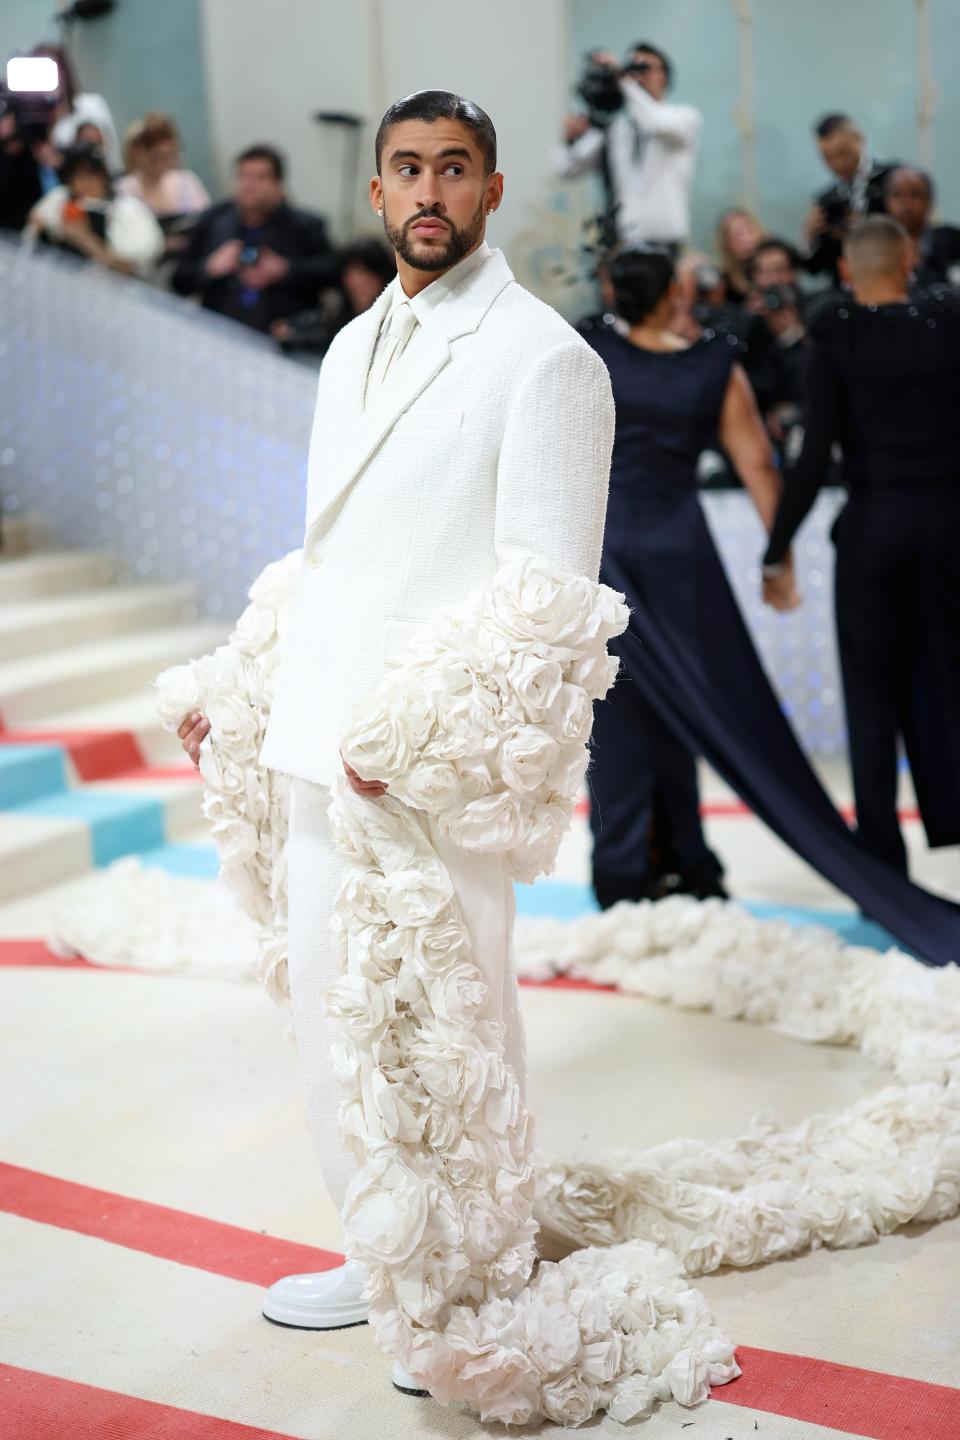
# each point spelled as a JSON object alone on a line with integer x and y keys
{"x": 292, "y": 1324}
{"x": 415, "y": 1394}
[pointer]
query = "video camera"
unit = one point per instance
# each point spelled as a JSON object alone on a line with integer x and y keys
{"x": 599, "y": 86}
{"x": 29, "y": 94}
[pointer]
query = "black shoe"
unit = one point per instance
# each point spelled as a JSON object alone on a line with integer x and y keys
{"x": 703, "y": 881}
{"x": 609, "y": 889}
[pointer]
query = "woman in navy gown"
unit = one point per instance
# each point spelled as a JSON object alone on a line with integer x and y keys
{"x": 691, "y": 682}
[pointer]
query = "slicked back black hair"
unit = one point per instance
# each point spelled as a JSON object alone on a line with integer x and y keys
{"x": 431, "y": 105}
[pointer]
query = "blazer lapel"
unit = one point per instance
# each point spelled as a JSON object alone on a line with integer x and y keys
{"x": 459, "y": 314}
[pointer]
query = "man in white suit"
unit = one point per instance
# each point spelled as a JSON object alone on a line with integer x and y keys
{"x": 460, "y": 423}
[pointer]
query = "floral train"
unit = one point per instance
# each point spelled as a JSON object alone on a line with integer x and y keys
{"x": 485, "y": 731}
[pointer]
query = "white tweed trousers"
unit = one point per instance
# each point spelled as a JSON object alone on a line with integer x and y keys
{"x": 485, "y": 894}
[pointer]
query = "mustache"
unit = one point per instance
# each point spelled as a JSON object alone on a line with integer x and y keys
{"x": 427, "y": 215}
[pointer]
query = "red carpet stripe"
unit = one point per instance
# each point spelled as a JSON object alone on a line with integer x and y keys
{"x": 736, "y": 810}
{"x": 97, "y": 754}
{"x": 861, "y": 1402}
{"x": 43, "y": 1407}
{"x": 820, "y": 1392}
{"x": 157, "y": 1230}
{"x": 35, "y": 952}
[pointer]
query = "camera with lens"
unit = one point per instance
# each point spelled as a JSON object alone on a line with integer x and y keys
{"x": 249, "y": 255}
{"x": 599, "y": 89}
{"x": 33, "y": 115}
{"x": 836, "y": 212}
{"x": 778, "y": 297}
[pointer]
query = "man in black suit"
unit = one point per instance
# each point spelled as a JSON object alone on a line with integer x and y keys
{"x": 882, "y": 377}
{"x": 857, "y": 191}
{"x": 256, "y": 258}
{"x": 909, "y": 196}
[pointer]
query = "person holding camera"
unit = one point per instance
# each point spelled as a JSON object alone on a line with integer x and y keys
{"x": 857, "y": 191}
{"x": 776, "y": 337}
{"x": 84, "y": 216}
{"x": 255, "y": 258}
{"x": 643, "y": 146}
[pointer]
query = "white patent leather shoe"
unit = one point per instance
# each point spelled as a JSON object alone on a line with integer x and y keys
{"x": 330, "y": 1300}
{"x": 405, "y": 1382}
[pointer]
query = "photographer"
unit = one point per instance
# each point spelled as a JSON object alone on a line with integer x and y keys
{"x": 255, "y": 258}
{"x": 643, "y": 146}
{"x": 84, "y": 216}
{"x": 858, "y": 191}
{"x": 29, "y": 161}
{"x": 776, "y": 337}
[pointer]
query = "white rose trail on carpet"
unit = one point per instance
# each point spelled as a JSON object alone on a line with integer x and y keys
{"x": 836, "y": 1180}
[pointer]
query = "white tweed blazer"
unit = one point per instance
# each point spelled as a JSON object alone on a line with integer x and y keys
{"x": 490, "y": 438}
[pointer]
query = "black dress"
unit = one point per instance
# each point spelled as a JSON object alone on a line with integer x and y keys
{"x": 689, "y": 669}
{"x": 884, "y": 381}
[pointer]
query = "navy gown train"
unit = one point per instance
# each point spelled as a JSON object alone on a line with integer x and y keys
{"x": 691, "y": 682}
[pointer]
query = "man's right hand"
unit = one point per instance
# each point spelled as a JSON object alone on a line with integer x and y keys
{"x": 193, "y": 728}
{"x": 815, "y": 223}
{"x": 224, "y": 260}
{"x": 574, "y": 126}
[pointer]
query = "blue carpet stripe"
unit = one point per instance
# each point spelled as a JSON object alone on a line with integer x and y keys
{"x": 120, "y": 823}
{"x": 28, "y": 772}
{"x": 563, "y": 901}
{"x": 197, "y": 861}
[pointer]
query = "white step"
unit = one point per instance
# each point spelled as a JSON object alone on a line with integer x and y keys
{"x": 37, "y": 852}
{"x": 20, "y": 533}
{"x": 28, "y": 627}
{"x": 181, "y": 799}
{"x": 52, "y": 572}
{"x": 33, "y": 689}
{"x": 135, "y": 713}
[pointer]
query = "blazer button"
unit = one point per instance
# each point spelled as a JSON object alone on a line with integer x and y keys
{"x": 314, "y": 561}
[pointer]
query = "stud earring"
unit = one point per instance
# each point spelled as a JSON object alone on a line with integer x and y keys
{"x": 380, "y": 213}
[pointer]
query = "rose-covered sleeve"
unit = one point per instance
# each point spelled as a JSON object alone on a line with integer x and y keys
{"x": 486, "y": 727}
{"x": 246, "y": 804}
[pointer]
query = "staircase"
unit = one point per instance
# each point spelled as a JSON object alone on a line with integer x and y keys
{"x": 87, "y": 773}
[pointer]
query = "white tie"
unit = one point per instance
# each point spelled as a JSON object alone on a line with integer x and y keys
{"x": 393, "y": 341}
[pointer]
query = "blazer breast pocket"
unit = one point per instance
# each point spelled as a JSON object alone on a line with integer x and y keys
{"x": 428, "y": 422}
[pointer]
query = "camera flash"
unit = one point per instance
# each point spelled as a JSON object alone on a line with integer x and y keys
{"x": 32, "y": 74}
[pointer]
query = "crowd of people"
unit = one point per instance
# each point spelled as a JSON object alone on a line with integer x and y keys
{"x": 135, "y": 207}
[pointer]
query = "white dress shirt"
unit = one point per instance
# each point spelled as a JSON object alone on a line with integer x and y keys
{"x": 652, "y": 148}
{"x": 423, "y": 306}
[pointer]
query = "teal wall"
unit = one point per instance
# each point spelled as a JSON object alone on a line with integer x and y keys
{"x": 854, "y": 55}
{"x": 146, "y": 55}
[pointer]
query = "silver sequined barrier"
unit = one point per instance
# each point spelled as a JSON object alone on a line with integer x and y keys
{"x": 133, "y": 421}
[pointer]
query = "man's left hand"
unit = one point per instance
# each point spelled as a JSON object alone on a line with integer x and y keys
{"x": 269, "y": 270}
{"x": 780, "y": 591}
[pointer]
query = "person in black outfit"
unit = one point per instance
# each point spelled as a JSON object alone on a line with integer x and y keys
{"x": 672, "y": 397}
{"x": 883, "y": 379}
{"x": 256, "y": 258}
{"x": 691, "y": 682}
{"x": 366, "y": 269}
{"x": 935, "y": 249}
{"x": 776, "y": 337}
{"x": 857, "y": 191}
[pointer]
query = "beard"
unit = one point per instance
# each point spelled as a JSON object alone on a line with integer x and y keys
{"x": 460, "y": 242}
